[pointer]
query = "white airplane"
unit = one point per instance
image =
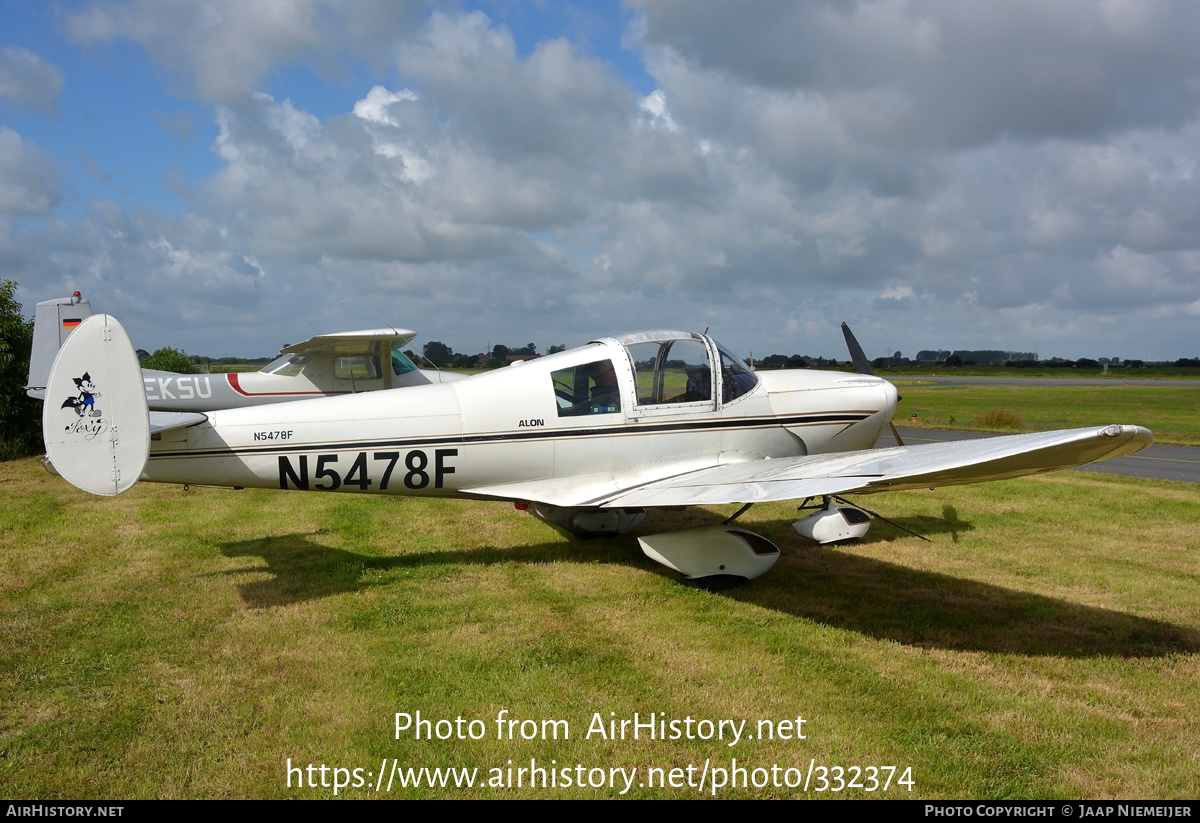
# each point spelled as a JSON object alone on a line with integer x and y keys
{"x": 341, "y": 363}
{"x": 587, "y": 439}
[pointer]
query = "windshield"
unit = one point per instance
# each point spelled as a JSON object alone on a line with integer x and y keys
{"x": 289, "y": 365}
{"x": 736, "y": 377}
{"x": 400, "y": 362}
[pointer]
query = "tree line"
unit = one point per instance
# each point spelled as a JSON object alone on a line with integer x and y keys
{"x": 20, "y": 414}
{"x": 442, "y": 356}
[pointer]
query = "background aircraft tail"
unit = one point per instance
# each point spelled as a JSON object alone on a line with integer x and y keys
{"x": 53, "y": 321}
{"x": 95, "y": 419}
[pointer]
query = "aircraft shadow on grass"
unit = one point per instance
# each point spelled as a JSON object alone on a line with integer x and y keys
{"x": 835, "y": 588}
{"x": 941, "y": 611}
{"x": 303, "y": 569}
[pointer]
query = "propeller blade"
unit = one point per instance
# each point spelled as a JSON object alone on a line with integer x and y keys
{"x": 861, "y": 364}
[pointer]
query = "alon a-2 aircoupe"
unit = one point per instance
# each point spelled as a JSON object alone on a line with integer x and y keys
{"x": 587, "y": 439}
{"x": 339, "y": 363}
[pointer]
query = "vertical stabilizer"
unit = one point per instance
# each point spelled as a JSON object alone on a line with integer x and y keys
{"x": 53, "y": 321}
{"x": 95, "y": 420}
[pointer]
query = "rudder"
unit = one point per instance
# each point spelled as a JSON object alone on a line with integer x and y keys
{"x": 53, "y": 321}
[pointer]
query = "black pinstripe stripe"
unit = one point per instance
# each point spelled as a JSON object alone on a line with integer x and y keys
{"x": 281, "y": 447}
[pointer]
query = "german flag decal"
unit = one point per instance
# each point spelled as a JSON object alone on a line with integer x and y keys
{"x": 70, "y": 324}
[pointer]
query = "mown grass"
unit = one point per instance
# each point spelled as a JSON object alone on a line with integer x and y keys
{"x": 186, "y": 644}
{"x": 1172, "y": 413}
{"x": 1117, "y": 374}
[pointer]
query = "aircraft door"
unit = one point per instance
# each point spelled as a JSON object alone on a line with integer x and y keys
{"x": 588, "y": 401}
{"x": 673, "y": 402}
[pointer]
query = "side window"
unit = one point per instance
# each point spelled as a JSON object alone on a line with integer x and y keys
{"x": 357, "y": 367}
{"x": 587, "y": 389}
{"x": 675, "y": 371}
{"x": 644, "y": 357}
{"x": 686, "y": 374}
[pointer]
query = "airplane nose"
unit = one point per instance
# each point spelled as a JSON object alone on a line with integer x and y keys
{"x": 880, "y": 395}
{"x": 891, "y": 398}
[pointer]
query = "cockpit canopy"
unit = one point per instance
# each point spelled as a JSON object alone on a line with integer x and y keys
{"x": 677, "y": 368}
{"x": 347, "y": 366}
{"x": 673, "y": 372}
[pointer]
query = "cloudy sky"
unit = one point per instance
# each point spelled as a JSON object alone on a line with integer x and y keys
{"x": 226, "y": 176}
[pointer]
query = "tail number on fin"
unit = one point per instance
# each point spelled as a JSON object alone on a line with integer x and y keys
{"x": 327, "y": 478}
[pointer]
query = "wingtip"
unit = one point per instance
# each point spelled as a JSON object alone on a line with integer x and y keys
{"x": 1136, "y": 437}
{"x": 1142, "y": 435}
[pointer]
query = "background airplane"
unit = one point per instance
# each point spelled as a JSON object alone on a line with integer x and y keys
{"x": 587, "y": 439}
{"x": 328, "y": 364}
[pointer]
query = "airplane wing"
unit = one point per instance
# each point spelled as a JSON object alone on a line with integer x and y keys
{"x": 365, "y": 341}
{"x": 863, "y": 472}
{"x": 880, "y": 470}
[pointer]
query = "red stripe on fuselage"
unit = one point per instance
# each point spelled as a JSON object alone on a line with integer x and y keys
{"x": 232, "y": 378}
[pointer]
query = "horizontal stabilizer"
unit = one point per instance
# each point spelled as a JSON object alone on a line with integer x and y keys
{"x": 169, "y": 421}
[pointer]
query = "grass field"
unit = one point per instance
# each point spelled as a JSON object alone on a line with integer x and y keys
{"x": 1116, "y": 374}
{"x": 1172, "y": 413}
{"x": 187, "y": 644}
